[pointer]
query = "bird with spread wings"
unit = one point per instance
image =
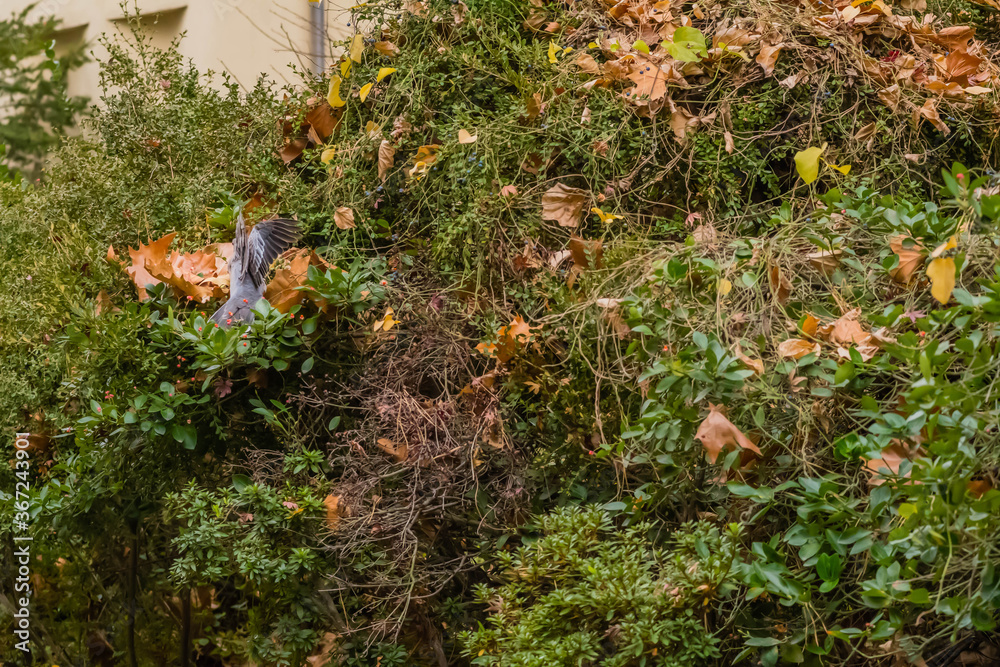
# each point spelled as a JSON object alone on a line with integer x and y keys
{"x": 253, "y": 252}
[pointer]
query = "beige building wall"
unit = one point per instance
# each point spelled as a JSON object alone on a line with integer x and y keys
{"x": 243, "y": 37}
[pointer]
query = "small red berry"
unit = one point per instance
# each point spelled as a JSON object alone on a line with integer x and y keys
{"x": 384, "y": 283}
{"x": 591, "y": 452}
{"x": 199, "y": 328}
{"x": 960, "y": 176}
{"x": 190, "y": 297}
{"x": 229, "y": 321}
{"x": 245, "y": 301}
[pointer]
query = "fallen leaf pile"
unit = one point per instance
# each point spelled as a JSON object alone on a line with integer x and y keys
{"x": 655, "y": 48}
{"x": 200, "y": 275}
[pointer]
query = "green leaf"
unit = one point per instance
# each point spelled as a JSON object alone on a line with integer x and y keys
{"x": 334, "y": 423}
{"x": 241, "y": 482}
{"x": 640, "y": 45}
{"x": 763, "y": 641}
{"x": 167, "y": 388}
{"x": 307, "y": 365}
{"x": 846, "y": 372}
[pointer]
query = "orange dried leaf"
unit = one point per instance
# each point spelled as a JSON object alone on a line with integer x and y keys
{"x": 910, "y": 259}
{"x": 335, "y": 510}
{"x": 398, "y": 451}
{"x": 796, "y": 348}
{"x": 718, "y": 434}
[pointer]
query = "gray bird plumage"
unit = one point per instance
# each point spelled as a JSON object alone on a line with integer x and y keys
{"x": 253, "y": 253}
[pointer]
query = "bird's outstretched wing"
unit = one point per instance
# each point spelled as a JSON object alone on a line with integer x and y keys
{"x": 266, "y": 241}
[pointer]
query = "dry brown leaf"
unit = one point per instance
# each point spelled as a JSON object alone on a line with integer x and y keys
{"x": 343, "y": 217}
{"x": 825, "y": 261}
{"x": 291, "y": 273}
{"x": 155, "y": 252}
{"x": 387, "y": 49}
{"x": 728, "y": 137}
{"x": 810, "y": 324}
{"x": 890, "y": 96}
{"x": 756, "y": 365}
{"x": 586, "y": 254}
{"x": 796, "y": 348}
{"x": 846, "y": 333}
{"x": 510, "y": 339}
{"x": 564, "y": 205}
{"x": 398, "y": 451}
{"x": 865, "y": 132}
{"x": 103, "y": 303}
{"x": 600, "y": 147}
{"x": 768, "y": 56}
{"x": 910, "y": 259}
{"x": 386, "y": 159}
{"x": 929, "y": 112}
{"x": 465, "y": 138}
{"x": 587, "y": 64}
{"x": 889, "y": 462}
{"x": 781, "y": 287}
{"x": 718, "y": 434}
{"x": 508, "y": 191}
{"x": 535, "y": 106}
{"x": 336, "y": 508}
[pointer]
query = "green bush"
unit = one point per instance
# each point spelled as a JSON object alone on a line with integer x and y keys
{"x": 586, "y": 593}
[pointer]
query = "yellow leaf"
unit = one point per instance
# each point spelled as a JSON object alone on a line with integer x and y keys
{"x": 384, "y": 72}
{"x": 807, "y": 163}
{"x": 605, "y": 217}
{"x": 941, "y": 271}
{"x": 640, "y": 45}
{"x": 950, "y": 244}
{"x": 357, "y": 47}
{"x": 345, "y": 68}
{"x": 845, "y": 169}
{"x": 387, "y": 322}
{"x": 465, "y": 138}
{"x": 725, "y": 287}
{"x": 365, "y": 89}
{"x": 593, "y": 45}
{"x": 553, "y": 52}
{"x": 327, "y": 155}
{"x": 333, "y": 97}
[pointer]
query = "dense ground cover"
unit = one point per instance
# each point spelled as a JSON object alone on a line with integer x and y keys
{"x": 631, "y": 334}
